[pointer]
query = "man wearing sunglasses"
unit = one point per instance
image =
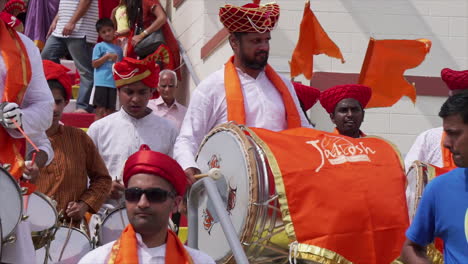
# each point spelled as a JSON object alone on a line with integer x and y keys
{"x": 154, "y": 185}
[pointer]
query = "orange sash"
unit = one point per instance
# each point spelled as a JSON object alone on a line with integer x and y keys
{"x": 235, "y": 98}
{"x": 342, "y": 199}
{"x": 18, "y": 75}
{"x": 125, "y": 250}
{"x": 447, "y": 158}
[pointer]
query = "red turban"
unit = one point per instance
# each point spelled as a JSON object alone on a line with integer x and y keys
{"x": 306, "y": 94}
{"x": 55, "y": 71}
{"x": 131, "y": 70}
{"x": 251, "y": 18}
{"x": 147, "y": 161}
{"x": 15, "y": 5}
{"x": 455, "y": 80}
{"x": 332, "y": 96}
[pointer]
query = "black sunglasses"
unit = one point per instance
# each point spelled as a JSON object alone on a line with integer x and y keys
{"x": 154, "y": 195}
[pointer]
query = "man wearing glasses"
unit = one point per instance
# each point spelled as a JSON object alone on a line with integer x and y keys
{"x": 154, "y": 185}
{"x": 166, "y": 105}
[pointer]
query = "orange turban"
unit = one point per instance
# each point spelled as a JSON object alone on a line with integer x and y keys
{"x": 332, "y": 96}
{"x": 455, "y": 80}
{"x": 55, "y": 71}
{"x": 147, "y": 161}
{"x": 307, "y": 95}
{"x": 131, "y": 70}
{"x": 250, "y": 18}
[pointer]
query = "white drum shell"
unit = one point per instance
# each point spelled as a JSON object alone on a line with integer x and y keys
{"x": 11, "y": 208}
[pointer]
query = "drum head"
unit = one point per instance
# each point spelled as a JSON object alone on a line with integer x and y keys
{"x": 41, "y": 212}
{"x": 112, "y": 226}
{"x": 78, "y": 245}
{"x": 417, "y": 179}
{"x": 227, "y": 150}
{"x": 11, "y": 207}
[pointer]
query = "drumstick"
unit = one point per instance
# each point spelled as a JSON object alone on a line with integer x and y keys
{"x": 68, "y": 234}
{"x": 24, "y": 135}
{"x": 214, "y": 173}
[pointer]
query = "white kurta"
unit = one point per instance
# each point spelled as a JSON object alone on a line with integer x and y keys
{"x": 145, "y": 255}
{"x": 263, "y": 108}
{"x": 37, "y": 108}
{"x": 38, "y": 103}
{"x": 427, "y": 148}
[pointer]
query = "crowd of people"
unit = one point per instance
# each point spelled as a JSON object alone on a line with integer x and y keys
{"x": 140, "y": 153}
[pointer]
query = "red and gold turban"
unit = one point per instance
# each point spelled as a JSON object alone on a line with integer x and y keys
{"x": 131, "y": 70}
{"x": 306, "y": 94}
{"x": 55, "y": 71}
{"x": 15, "y": 6}
{"x": 151, "y": 162}
{"x": 250, "y": 18}
{"x": 332, "y": 96}
{"x": 455, "y": 80}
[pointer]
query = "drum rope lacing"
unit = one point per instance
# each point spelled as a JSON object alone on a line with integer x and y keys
{"x": 293, "y": 248}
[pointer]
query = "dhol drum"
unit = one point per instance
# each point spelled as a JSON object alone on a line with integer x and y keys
{"x": 68, "y": 247}
{"x": 11, "y": 209}
{"x": 112, "y": 226}
{"x": 248, "y": 193}
{"x": 418, "y": 176}
{"x": 42, "y": 215}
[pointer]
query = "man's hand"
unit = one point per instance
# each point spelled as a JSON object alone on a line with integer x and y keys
{"x": 68, "y": 29}
{"x": 190, "y": 173}
{"x": 76, "y": 210}
{"x": 31, "y": 171}
{"x": 52, "y": 27}
{"x": 8, "y": 113}
{"x": 136, "y": 39}
{"x": 112, "y": 56}
{"x": 116, "y": 190}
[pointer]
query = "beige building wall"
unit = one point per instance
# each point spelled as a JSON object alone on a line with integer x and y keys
{"x": 349, "y": 23}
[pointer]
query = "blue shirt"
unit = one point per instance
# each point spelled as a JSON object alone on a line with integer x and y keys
{"x": 103, "y": 74}
{"x": 443, "y": 212}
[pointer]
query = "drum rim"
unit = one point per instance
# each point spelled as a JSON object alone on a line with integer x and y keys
{"x": 53, "y": 205}
{"x": 104, "y": 220}
{"x": 20, "y": 193}
{"x": 252, "y": 168}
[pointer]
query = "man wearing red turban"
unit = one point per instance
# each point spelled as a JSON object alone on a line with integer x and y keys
{"x": 345, "y": 104}
{"x": 428, "y": 146}
{"x": 246, "y": 90}
{"x": 154, "y": 186}
{"x": 119, "y": 135}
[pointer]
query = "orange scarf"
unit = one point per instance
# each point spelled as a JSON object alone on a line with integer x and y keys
{"x": 125, "y": 250}
{"x": 361, "y": 134}
{"x": 18, "y": 75}
{"x": 235, "y": 98}
{"x": 447, "y": 158}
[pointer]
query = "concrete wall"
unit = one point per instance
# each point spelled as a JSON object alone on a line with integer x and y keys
{"x": 349, "y": 23}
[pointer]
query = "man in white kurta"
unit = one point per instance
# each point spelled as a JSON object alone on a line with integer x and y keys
{"x": 264, "y": 106}
{"x": 428, "y": 146}
{"x": 36, "y": 116}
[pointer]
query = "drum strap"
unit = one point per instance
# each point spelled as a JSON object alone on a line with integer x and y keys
{"x": 125, "y": 249}
{"x": 235, "y": 98}
{"x": 447, "y": 158}
{"x": 18, "y": 75}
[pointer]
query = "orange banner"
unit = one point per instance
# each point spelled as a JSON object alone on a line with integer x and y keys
{"x": 384, "y": 65}
{"x": 342, "y": 199}
{"x": 313, "y": 40}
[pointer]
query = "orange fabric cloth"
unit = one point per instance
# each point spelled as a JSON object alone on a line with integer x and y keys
{"x": 125, "y": 250}
{"x": 18, "y": 75}
{"x": 354, "y": 187}
{"x": 335, "y": 131}
{"x": 446, "y": 155}
{"x": 384, "y": 66}
{"x": 313, "y": 40}
{"x": 235, "y": 98}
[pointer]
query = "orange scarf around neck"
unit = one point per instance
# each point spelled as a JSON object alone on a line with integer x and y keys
{"x": 447, "y": 158}
{"x": 18, "y": 75}
{"x": 125, "y": 250}
{"x": 235, "y": 98}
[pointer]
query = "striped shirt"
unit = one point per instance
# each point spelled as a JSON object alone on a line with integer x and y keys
{"x": 85, "y": 27}
{"x": 66, "y": 178}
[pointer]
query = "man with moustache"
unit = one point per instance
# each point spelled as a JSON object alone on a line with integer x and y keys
{"x": 247, "y": 85}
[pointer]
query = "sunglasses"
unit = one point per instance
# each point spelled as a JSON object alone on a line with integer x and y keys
{"x": 154, "y": 195}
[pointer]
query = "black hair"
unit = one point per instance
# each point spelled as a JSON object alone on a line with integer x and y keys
{"x": 456, "y": 104}
{"x": 238, "y": 35}
{"x": 54, "y": 84}
{"x": 134, "y": 12}
{"x": 104, "y": 22}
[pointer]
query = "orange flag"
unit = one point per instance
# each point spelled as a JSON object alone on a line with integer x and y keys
{"x": 384, "y": 65}
{"x": 313, "y": 40}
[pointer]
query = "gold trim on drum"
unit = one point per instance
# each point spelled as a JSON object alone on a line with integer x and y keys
{"x": 304, "y": 251}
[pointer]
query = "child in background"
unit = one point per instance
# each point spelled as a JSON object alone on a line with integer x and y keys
{"x": 104, "y": 95}
{"x": 120, "y": 19}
